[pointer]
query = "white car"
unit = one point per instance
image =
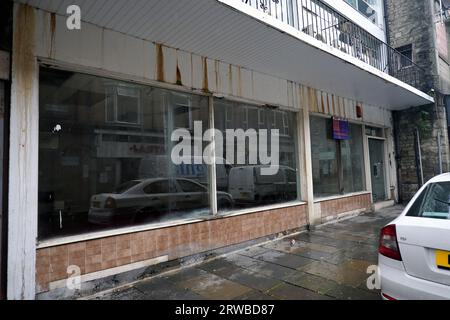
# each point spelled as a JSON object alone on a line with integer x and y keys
{"x": 414, "y": 250}
{"x": 152, "y": 199}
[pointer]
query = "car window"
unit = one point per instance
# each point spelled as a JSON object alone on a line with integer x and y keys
{"x": 188, "y": 186}
{"x": 125, "y": 186}
{"x": 291, "y": 176}
{"x": 433, "y": 202}
{"x": 156, "y": 187}
{"x": 267, "y": 179}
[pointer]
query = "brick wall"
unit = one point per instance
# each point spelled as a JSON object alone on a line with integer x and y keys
{"x": 332, "y": 208}
{"x": 176, "y": 242}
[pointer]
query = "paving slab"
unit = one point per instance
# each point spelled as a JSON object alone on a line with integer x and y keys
{"x": 221, "y": 267}
{"x": 272, "y": 270}
{"x": 336, "y": 273}
{"x": 254, "y": 280}
{"x": 253, "y": 251}
{"x": 288, "y": 291}
{"x": 349, "y": 293}
{"x": 256, "y": 295}
{"x": 284, "y": 259}
{"x": 213, "y": 287}
{"x": 311, "y": 282}
{"x": 127, "y": 294}
{"x": 163, "y": 289}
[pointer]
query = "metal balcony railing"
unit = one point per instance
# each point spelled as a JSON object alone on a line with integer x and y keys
{"x": 322, "y": 22}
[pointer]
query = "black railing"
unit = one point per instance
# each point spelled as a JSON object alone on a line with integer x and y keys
{"x": 322, "y": 22}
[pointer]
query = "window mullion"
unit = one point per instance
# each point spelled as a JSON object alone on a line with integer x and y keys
{"x": 340, "y": 167}
{"x": 212, "y": 160}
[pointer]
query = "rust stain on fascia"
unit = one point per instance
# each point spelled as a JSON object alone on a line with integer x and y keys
{"x": 52, "y": 34}
{"x": 179, "y": 82}
{"x": 217, "y": 67}
{"x": 334, "y": 106}
{"x": 328, "y": 104}
{"x": 24, "y": 62}
{"x": 205, "y": 75}
{"x": 159, "y": 63}
{"x": 178, "y": 73}
{"x": 230, "y": 79}
{"x": 239, "y": 89}
{"x": 322, "y": 102}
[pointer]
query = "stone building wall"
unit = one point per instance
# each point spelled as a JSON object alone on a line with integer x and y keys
{"x": 431, "y": 121}
{"x": 412, "y": 22}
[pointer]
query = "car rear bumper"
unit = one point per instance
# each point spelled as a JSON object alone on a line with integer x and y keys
{"x": 396, "y": 283}
{"x": 101, "y": 216}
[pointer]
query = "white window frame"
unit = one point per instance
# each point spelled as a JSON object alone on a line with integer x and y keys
{"x": 115, "y": 94}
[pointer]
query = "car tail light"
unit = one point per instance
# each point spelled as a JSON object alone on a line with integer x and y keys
{"x": 388, "y": 243}
{"x": 388, "y": 297}
{"x": 110, "y": 203}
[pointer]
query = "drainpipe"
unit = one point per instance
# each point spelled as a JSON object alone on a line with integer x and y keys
{"x": 386, "y": 20}
{"x": 395, "y": 119}
{"x": 439, "y": 142}
{"x": 418, "y": 152}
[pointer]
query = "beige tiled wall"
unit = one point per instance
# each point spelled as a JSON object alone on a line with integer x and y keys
{"x": 332, "y": 208}
{"x": 176, "y": 242}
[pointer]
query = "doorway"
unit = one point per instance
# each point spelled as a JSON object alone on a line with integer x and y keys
{"x": 377, "y": 169}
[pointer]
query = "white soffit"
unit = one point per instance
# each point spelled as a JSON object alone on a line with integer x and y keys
{"x": 215, "y": 30}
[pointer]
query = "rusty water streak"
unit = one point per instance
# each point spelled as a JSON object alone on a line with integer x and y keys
{"x": 159, "y": 63}
{"x": 205, "y": 75}
{"x": 230, "y": 78}
{"x": 52, "y": 34}
{"x": 334, "y": 105}
{"x": 178, "y": 72}
{"x": 24, "y": 57}
{"x": 322, "y": 102}
{"x": 217, "y": 67}
{"x": 239, "y": 91}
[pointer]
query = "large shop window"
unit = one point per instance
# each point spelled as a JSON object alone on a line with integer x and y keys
{"x": 338, "y": 165}
{"x": 242, "y": 175}
{"x": 104, "y": 155}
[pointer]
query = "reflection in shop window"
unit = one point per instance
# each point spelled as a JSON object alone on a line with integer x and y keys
{"x": 108, "y": 165}
{"x": 246, "y": 183}
{"x": 338, "y": 165}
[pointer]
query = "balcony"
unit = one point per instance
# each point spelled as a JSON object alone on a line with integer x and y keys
{"x": 323, "y": 23}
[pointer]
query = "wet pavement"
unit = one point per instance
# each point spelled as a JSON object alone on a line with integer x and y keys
{"x": 328, "y": 263}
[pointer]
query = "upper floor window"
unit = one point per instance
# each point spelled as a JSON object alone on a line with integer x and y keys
{"x": 122, "y": 104}
{"x": 371, "y": 9}
{"x": 405, "y": 60}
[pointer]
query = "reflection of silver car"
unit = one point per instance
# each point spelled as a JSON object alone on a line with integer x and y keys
{"x": 152, "y": 199}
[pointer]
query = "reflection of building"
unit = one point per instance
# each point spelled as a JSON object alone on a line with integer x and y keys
{"x": 101, "y": 105}
{"x": 255, "y": 118}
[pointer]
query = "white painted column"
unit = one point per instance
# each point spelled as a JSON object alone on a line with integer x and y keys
{"x": 212, "y": 156}
{"x": 23, "y": 161}
{"x": 367, "y": 168}
{"x": 392, "y": 162}
{"x": 313, "y": 216}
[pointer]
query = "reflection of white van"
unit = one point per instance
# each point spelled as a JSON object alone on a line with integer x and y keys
{"x": 246, "y": 184}
{"x": 159, "y": 166}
